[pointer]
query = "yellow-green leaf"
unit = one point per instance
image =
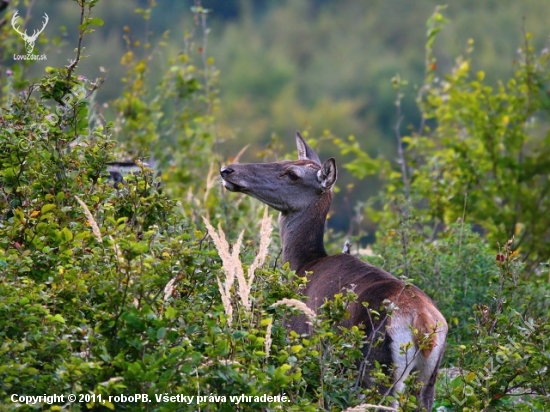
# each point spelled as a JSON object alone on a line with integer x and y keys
{"x": 66, "y": 234}
{"x": 47, "y": 207}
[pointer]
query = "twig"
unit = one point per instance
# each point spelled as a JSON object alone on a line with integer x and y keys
{"x": 400, "y": 151}
{"x": 73, "y": 64}
{"x": 462, "y": 223}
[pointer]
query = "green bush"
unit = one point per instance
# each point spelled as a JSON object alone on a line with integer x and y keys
{"x": 464, "y": 219}
{"x": 108, "y": 292}
{"x": 482, "y": 154}
{"x": 504, "y": 365}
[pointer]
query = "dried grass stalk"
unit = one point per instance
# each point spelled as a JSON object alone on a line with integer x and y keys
{"x": 226, "y": 301}
{"x": 228, "y": 262}
{"x": 237, "y": 266}
{"x": 265, "y": 240}
{"x": 118, "y": 253}
{"x": 268, "y": 340}
{"x": 241, "y": 152}
{"x": 232, "y": 264}
{"x": 91, "y": 220}
{"x": 298, "y": 305}
{"x": 211, "y": 179}
{"x": 169, "y": 289}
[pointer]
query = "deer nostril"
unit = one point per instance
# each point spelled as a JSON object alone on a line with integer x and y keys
{"x": 226, "y": 171}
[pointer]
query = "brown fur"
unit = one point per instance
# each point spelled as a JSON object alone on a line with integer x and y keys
{"x": 332, "y": 274}
{"x": 426, "y": 325}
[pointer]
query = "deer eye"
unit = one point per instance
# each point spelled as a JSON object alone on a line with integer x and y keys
{"x": 292, "y": 176}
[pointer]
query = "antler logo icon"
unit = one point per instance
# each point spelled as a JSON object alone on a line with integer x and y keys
{"x": 29, "y": 40}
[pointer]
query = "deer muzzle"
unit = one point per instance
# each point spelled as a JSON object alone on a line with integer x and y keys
{"x": 227, "y": 174}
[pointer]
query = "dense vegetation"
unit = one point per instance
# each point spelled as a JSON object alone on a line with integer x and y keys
{"x": 312, "y": 65}
{"x": 121, "y": 290}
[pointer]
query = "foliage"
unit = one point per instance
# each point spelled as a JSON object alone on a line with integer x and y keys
{"x": 171, "y": 122}
{"x": 336, "y": 77}
{"x": 473, "y": 175}
{"x": 479, "y": 155}
{"x": 457, "y": 271}
{"x": 487, "y": 158}
{"x": 512, "y": 340}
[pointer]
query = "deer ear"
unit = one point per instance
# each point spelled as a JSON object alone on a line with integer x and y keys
{"x": 327, "y": 174}
{"x": 304, "y": 151}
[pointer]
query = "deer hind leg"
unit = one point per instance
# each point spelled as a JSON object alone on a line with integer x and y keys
{"x": 428, "y": 375}
{"x": 404, "y": 358}
{"x": 426, "y": 365}
{"x": 379, "y": 352}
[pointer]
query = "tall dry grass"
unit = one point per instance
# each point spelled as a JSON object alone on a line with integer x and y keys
{"x": 233, "y": 267}
{"x": 298, "y": 305}
{"x": 91, "y": 221}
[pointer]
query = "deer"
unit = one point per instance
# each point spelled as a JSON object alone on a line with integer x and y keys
{"x": 410, "y": 331}
{"x": 29, "y": 40}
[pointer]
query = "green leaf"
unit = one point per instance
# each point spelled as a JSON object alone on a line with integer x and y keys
{"x": 161, "y": 333}
{"x": 96, "y": 21}
{"x": 170, "y": 313}
{"x": 281, "y": 370}
{"x": 47, "y": 207}
{"x": 57, "y": 318}
{"x": 109, "y": 405}
{"x": 296, "y": 348}
{"x": 66, "y": 235}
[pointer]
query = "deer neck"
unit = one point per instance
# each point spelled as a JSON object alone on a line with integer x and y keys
{"x": 302, "y": 233}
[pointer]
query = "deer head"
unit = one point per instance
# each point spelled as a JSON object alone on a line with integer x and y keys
{"x": 288, "y": 186}
{"x": 29, "y": 40}
{"x": 301, "y": 190}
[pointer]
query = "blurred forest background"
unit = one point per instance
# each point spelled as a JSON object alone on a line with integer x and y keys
{"x": 315, "y": 65}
